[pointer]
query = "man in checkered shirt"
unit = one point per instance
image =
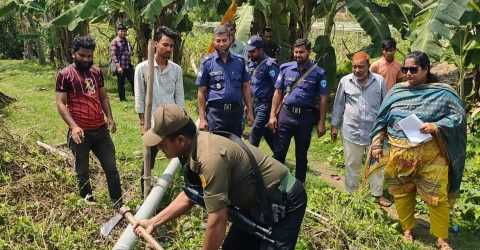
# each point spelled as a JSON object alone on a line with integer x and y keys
{"x": 121, "y": 53}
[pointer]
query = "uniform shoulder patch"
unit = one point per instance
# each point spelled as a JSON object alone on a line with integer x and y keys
{"x": 272, "y": 73}
{"x": 323, "y": 83}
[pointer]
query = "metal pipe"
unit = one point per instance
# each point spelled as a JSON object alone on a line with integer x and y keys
{"x": 150, "y": 205}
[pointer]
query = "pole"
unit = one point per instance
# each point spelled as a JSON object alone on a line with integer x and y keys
{"x": 150, "y": 205}
{"x": 147, "y": 153}
{"x": 145, "y": 235}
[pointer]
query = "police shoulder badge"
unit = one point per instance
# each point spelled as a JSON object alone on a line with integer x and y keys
{"x": 323, "y": 83}
{"x": 272, "y": 73}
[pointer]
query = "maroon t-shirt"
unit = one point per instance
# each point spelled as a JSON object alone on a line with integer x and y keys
{"x": 83, "y": 95}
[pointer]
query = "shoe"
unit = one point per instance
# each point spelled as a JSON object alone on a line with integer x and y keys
{"x": 118, "y": 204}
{"x": 89, "y": 199}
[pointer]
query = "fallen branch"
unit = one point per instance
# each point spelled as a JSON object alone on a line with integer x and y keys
{"x": 326, "y": 222}
{"x": 54, "y": 151}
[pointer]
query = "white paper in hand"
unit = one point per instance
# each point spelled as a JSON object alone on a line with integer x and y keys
{"x": 411, "y": 127}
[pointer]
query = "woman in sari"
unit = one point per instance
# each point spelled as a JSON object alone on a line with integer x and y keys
{"x": 433, "y": 168}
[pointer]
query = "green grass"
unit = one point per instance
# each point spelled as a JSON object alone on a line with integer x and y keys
{"x": 34, "y": 117}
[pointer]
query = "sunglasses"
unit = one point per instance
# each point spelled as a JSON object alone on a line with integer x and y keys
{"x": 412, "y": 70}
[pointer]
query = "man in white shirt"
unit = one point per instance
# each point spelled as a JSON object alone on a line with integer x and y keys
{"x": 167, "y": 80}
{"x": 358, "y": 99}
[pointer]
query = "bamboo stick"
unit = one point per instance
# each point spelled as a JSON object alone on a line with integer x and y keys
{"x": 147, "y": 182}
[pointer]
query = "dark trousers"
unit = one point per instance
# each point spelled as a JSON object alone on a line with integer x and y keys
{"x": 285, "y": 232}
{"x": 262, "y": 115}
{"x": 300, "y": 127}
{"x": 222, "y": 118}
{"x": 100, "y": 142}
{"x": 153, "y": 155}
{"x": 127, "y": 74}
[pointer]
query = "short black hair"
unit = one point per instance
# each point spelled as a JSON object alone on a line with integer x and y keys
{"x": 189, "y": 130}
{"x": 221, "y": 29}
{"x": 86, "y": 42}
{"x": 164, "y": 31}
{"x": 267, "y": 29}
{"x": 389, "y": 43}
{"x": 303, "y": 42}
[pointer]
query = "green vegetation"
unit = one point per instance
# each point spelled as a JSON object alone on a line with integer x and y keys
{"x": 40, "y": 208}
{"x": 39, "y": 205}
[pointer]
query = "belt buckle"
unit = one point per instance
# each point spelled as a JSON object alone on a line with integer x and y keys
{"x": 297, "y": 110}
{"x": 227, "y": 107}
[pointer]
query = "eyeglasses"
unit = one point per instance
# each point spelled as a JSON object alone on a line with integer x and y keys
{"x": 412, "y": 70}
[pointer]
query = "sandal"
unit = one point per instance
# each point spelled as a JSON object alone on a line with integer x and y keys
{"x": 443, "y": 245}
{"x": 382, "y": 201}
{"x": 408, "y": 236}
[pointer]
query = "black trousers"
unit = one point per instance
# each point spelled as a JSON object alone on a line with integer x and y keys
{"x": 100, "y": 143}
{"x": 153, "y": 155}
{"x": 127, "y": 74}
{"x": 262, "y": 115}
{"x": 221, "y": 119}
{"x": 299, "y": 126}
{"x": 285, "y": 232}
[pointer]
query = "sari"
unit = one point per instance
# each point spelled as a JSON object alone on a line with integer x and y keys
{"x": 436, "y": 103}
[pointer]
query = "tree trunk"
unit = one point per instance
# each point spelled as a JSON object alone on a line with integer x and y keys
{"x": 178, "y": 51}
{"x": 36, "y": 43}
{"x": 259, "y": 22}
{"x": 28, "y": 49}
{"x": 330, "y": 19}
{"x": 142, "y": 33}
{"x": 292, "y": 30}
{"x": 308, "y": 6}
{"x": 27, "y": 43}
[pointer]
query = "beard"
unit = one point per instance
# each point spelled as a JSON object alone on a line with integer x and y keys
{"x": 83, "y": 66}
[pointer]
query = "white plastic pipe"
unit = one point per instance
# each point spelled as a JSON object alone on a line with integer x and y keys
{"x": 128, "y": 239}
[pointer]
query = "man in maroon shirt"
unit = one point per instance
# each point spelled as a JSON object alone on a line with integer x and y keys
{"x": 83, "y": 104}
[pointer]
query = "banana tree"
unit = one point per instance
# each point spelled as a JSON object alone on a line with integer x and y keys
{"x": 28, "y": 12}
{"x": 143, "y": 15}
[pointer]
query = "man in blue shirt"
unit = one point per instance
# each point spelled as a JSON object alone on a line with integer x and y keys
{"x": 223, "y": 88}
{"x": 301, "y": 98}
{"x": 263, "y": 71}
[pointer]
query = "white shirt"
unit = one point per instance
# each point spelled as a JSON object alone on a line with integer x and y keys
{"x": 167, "y": 86}
{"x": 356, "y": 107}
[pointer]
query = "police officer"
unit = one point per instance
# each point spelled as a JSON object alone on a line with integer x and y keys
{"x": 232, "y": 176}
{"x": 223, "y": 87}
{"x": 263, "y": 71}
{"x": 301, "y": 98}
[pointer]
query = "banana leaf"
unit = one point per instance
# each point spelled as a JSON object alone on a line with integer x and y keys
{"x": 89, "y": 8}
{"x": 154, "y": 8}
{"x": 371, "y": 21}
{"x": 244, "y": 20}
{"x": 5, "y": 9}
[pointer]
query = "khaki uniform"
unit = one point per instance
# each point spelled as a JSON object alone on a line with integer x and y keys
{"x": 225, "y": 172}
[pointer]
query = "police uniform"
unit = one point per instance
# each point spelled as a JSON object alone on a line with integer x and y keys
{"x": 224, "y": 83}
{"x": 226, "y": 177}
{"x": 263, "y": 85}
{"x": 299, "y": 112}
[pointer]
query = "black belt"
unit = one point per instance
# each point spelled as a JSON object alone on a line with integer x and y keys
{"x": 225, "y": 106}
{"x": 299, "y": 110}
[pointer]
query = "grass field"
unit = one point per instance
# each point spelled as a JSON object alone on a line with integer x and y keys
{"x": 355, "y": 221}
